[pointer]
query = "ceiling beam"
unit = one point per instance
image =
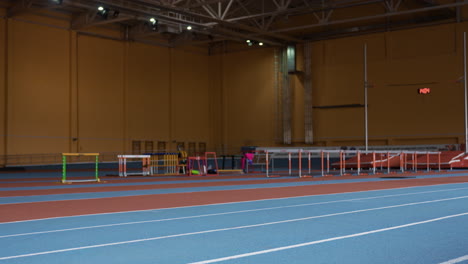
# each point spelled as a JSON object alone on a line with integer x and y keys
{"x": 144, "y": 30}
{"x": 374, "y": 28}
{"x": 27, "y": 6}
{"x": 303, "y": 10}
{"x": 90, "y": 19}
{"x": 191, "y": 14}
{"x": 392, "y": 14}
{"x": 207, "y": 2}
{"x": 244, "y": 37}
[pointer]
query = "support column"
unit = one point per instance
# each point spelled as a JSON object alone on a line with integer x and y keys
{"x": 73, "y": 101}
{"x": 465, "y": 82}
{"x": 286, "y": 99}
{"x": 4, "y": 93}
{"x": 308, "y": 104}
{"x": 366, "y": 126}
{"x": 278, "y": 53}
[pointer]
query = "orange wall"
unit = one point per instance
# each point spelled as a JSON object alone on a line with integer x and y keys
{"x": 38, "y": 89}
{"x": 397, "y": 63}
{"x": 63, "y": 85}
{"x": 2, "y": 88}
{"x": 100, "y": 95}
{"x": 216, "y": 103}
{"x": 249, "y": 98}
{"x": 148, "y": 92}
{"x": 69, "y": 92}
{"x": 190, "y": 104}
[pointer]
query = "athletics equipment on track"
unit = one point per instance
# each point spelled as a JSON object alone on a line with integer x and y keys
{"x": 304, "y": 163}
{"x": 64, "y": 167}
{"x": 145, "y": 159}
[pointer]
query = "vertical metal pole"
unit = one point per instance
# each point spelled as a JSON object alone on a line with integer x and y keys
{"x": 300, "y": 163}
{"x": 405, "y": 162}
{"x": 124, "y": 167}
{"x": 381, "y": 161}
{"x": 402, "y": 162}
{"x": 343, "y": 168}
{"x": 308, "y": 122}
{"x": 427, "y": 159}
{"x": 438, "y": 160}
{"x": 365, "y": 98}
{"x": 465, "y": 82}
{"x": 373, "y": 162}
{"x": 388, "y": 162}
{"x": 341, "y": 164}
{"x": 64, "y": 168}
{"x": 321, "y": 155}
{"x": 286, "y": 99}
{"x": 97, "y": 168}
{"x": 415, "y": 162}
{"x": 358, "y": 163}
{"x": 344, "y": 162}
{"x": 120, "y": 165}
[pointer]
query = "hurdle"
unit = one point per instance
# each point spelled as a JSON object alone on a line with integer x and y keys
{"x": 422, "y": 160}
{"x": 64, "y": 167}
{"x": 201, "y": 165}
{"x": 270, "y": 155}
{"x": 213, "y": 166}
{"x": 350, "y": 162}
{"x": 235, "y": 160}
{"x": 145, "y": 159}
{"x": 164, "y": 163}
{"x": 260, "y": 159}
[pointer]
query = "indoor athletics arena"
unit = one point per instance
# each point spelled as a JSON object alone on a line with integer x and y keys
{"x": 233, "y": 131}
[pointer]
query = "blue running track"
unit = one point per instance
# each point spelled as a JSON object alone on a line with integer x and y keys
{"x": 408, "y": 225}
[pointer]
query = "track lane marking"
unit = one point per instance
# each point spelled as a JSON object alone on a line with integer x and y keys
{"x": 237, "y": 202}
{"x": 329, "y": 240}
{"x": 237, "y": 228}
{"x": 150, "y": 192}
{"x": 456, "y": 260}
{"x": 219, "y": 214}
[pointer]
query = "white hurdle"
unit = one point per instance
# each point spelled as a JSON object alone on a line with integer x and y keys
{"x": 145, "y": 159}
{"x": 384, "y": 159}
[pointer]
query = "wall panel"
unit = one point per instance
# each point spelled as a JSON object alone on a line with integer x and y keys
{"x": 421, "y": 42}
{"x": 3, "y": 101}
{"x": 38, "y": 89}
{"x": 147, "y": 92}
{"x": 248, "y": 79}
{"x": 119, "y": 91}
{"x": 190, "y": 96}
{"x": 216, "y": 103}
{"x": 298, "y": 110}
{"x": 100, "y": 95}
{"x": 398, "y": 64}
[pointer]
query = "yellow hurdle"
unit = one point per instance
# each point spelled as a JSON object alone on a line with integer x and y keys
{"x": 167, "y": 162}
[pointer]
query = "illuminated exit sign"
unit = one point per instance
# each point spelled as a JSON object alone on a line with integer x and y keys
{"x": 424, "y": 90}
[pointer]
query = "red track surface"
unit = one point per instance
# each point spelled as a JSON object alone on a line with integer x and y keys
{"x": 105, "y": 188}
{"x": 37, "y": 210}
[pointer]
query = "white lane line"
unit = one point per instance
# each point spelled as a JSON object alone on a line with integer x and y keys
{"x": 238, "y": 202}
{"x": 454, "y": 261}
{"x": 219, "y": 214}
{"x": 226, "y": 229}
{"x": 327, "y": 240}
